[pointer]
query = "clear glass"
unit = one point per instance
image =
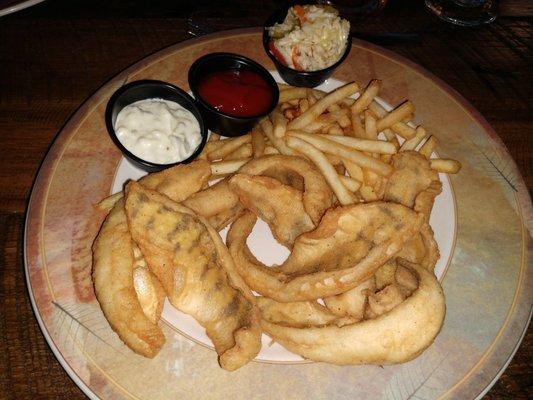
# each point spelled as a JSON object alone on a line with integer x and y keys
{"x": 464, "y": 12}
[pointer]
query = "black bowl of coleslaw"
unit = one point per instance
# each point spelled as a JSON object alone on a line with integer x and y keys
{"x": 293, "y": 76}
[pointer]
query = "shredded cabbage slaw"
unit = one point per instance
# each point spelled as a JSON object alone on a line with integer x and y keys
{"x": 310, "y": 38}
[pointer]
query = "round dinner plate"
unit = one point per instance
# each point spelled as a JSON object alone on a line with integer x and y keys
{"x": 482, "y": 222}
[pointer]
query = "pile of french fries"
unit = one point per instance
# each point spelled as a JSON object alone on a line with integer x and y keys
{"x": 346, "y": 133}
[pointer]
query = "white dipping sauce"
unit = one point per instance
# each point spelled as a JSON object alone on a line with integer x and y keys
{"x": 158, "y": 130}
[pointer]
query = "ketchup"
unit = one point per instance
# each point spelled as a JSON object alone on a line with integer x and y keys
{"x": 236, "y": 92}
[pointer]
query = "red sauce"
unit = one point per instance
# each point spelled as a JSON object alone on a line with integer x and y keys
{"x": 239, "y": 93}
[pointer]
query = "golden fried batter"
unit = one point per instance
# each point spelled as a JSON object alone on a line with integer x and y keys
{"x": 195, "y": 269}
{"x": 113, "y": 262}
{"x": 348, "y": 246}
{"x": 413, "y": 183}
{"x": 279, "y": 205}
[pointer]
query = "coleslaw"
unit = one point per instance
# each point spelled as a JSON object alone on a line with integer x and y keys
{"x": 311, "y": 38}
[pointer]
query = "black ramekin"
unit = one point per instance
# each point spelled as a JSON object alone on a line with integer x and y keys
{"x": 292, "y": 76}
{"x": 217, "y": 121}
{"x": 150, "y": 89}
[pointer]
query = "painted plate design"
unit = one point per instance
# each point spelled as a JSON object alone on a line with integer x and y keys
{"x": 482, "y": 223}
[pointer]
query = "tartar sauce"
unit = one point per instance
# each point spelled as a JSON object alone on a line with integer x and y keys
{"x": 158, "y": 130}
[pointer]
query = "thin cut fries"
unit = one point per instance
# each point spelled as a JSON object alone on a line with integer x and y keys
{"x": 391, "y": 138}
{"x": 227, "y": 147}
{"x": 335, "y": 130}
{"x": 340, "y": 150}
{"x": 445, "y": 165}
{"x": 366, "y": 97}
{"x": 227, "y": 167}
{"x": 357, "y": 127}
{"x": 371, "y": 131}
{"x": 279, "y": 122}
{"x": 377, "y": 109}
{"x": 278, "y": 143}
{"x": 319, "y": 159}
{"x": 428, "y": 147}
{"x": 354, "y": 170}
{"x": 396, "y": 115}
{"x": 370, "y": 146}
{"x": 258, "y": 142}
{"x": 321, "y": 105}
{"x": 291, "y": 94}
{"x": 415, "y": 140}
{"x": 351, "y": 184}
{"x": 403, "y": 130}
{"x": 244, "y": 151}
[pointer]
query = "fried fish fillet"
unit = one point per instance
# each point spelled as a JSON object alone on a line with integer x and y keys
{"x": 299, "y": 314}
{"x": 218, "y": 203}
{"x": 279, "y": 205}
{"x": 197, "y": 272}
{"x": 347, "y": 234}
{"x": 413, "y": 183}
{"x": 422, "y": 249}
{"x": 348, "y": 246}
{"x": 300, "y": 174}
{"x": 177, "y": 182}
{"x": 398, "y": 335}
{"x": 113, "y": 263}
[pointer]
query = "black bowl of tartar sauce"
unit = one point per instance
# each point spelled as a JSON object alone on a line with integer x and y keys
{"x": 155, "y": 124}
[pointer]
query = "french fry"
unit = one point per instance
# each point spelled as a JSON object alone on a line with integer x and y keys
{"x": 279, "y": 122}
{"x": 211, "y": 146}
{"x": 370, "y": 146}
{"x": 403, "y": 130}
{"x": 377, "y": 109}
{"x": 415, "y": 140}
{"x": 291, "y": 94}
{"x": 391, "y": 138}
{"x": 354, "y": 170}
{"x": 428, "y": 147}
{"x": 331, "y": 147}
{"x": 335, "y": 130}
{"x": 278, "y": 143}
{"x": 341, "y": 117}
{"x": 396, "y": 115}
{"x": 304, "y": 105}
{"x": 227, "y": 167}
{"x": 317, "y": 125}
{"x": 371, "y": 131}
{"x": 357, "y": 126}
{"x": 368, "y": 194}
{"x": 284, "y": 86}
{"x": 444, "y": 165}
{"x": 244, "y": 151}
{"x": 366, "y": 97}
{"x": 351, "y": 184}
{"x": 228, "y": 146}
{"x": 321, "y": 105}
{"x": 258, "y": 142}
{"x": 319, "y": 159}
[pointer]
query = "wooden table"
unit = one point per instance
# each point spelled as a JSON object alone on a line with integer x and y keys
{"x": 55, "y": 55}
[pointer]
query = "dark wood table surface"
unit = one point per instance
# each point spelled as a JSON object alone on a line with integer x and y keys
{"x": 56, "y": 54}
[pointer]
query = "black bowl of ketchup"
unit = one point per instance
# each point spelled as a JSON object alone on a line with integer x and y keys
{"x": 232, "y": 91}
